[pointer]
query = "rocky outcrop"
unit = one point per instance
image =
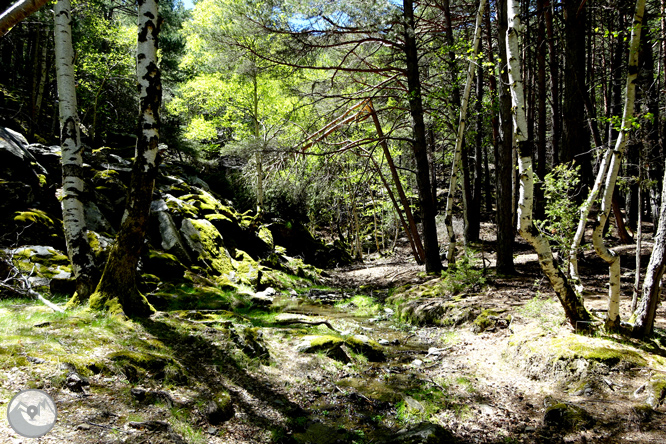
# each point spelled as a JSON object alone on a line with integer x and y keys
{"x": 192, "y": 232}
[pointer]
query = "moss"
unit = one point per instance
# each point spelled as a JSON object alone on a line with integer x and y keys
{"x": 484, "y": 321}
{"x": 33, "y": 216}
{"x": 367, "y": 347}
{"x": 105, "y": 175}
{"x": 101, "y": 301}
{"x": 249, "y": 271}
{"x": 595, "y": 349}
{"x": 217, "y": 217}
{"x": 326, "y": 341}
{"x": 265, "y": 235}
{"x": 567, "y": 416}
{"x": 213, "y": 251}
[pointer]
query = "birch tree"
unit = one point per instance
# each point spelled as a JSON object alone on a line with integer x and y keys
{"x": 17, "y": 12}
{"x": 76, "y": 232}
{"x": 615, "y": 161}
{"x": 575, "y": 311}
{"x": 117, "y": 291}
{"x": 455, "y": 168}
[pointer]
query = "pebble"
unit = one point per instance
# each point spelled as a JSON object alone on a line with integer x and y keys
{"x": 383, "y": 342}
{"x": 417, "y": 363}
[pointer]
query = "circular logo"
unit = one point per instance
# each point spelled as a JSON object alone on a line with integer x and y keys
{"x": 32, "y": 413}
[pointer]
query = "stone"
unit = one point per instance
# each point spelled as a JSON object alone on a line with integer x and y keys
{"x": 95, "y": 220}
{"x": 656, "y": 391}
{"x": 170, "y": 238}
{"x": 422, "y": 433}
{"x": 367, "y": 347}
{"x": 219, "y": 409}
{"x": 566, "y": 416}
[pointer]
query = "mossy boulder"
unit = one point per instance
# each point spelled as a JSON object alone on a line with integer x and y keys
{"x": 314, "y": 344}
{"x": 329, "y": 345}
{"x": 367, "y": 347}
{"x": 248, "y": 271}
{"x": 434, "y": 311}
{"x": 566, "y": 416}
{"x": 207, "y": 245}
{"x": 39, "y": 227}
{"x": 656, "y": 391}
{"x": 137, "y": 365}
{"x": 219, "y": 409}
{"x": 485, "y": 320}
{"x": 163, "y": 265}
{"x": 422, "y": 433}
{"x": 595, "y": 349}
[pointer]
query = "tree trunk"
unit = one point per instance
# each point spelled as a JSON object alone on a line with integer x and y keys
{"x": 412, "y": 233}
{"x": 576, "y": 139}
{"x": 575, "y": 311}
{"x": 554, "y": 83}
{"x": 541, "y": 96}
{"x": 455, "y": 167}
{"x": 644, "y": 316}
{"x": 430, "y": 245}
{"x": 613, "y": 260}
{"x": 117, "y": 290}
{"x": 76, "y": 231}
{"x": 504, "y": 159}
{"x": 17, "y": 12}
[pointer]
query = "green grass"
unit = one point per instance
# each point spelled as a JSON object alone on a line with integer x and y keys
{"x": 360, "y": 305}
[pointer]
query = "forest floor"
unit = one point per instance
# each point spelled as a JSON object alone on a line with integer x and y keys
{"x": 525, "y": 376}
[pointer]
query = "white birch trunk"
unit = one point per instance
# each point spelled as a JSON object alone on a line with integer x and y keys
{"x": 455, "y": 168}
{"x": 580, "y": 231}
{"x": 17, "y": 12}
{"x": 574, "y": 309}
{"x": 613, "y": 260}
{"x": 76, "y": 232}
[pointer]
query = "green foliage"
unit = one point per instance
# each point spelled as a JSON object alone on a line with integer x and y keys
{"x": 560, "y": 188}
{"x": 462, "y": 275}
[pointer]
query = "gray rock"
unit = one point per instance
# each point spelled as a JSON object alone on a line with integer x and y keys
{"x": 423, "y": 433}
{"x": 566, "y": 416}
{"x": 172, "y": 242}
{"x": 95, "y": 220}
{"x": 219, "y": 409}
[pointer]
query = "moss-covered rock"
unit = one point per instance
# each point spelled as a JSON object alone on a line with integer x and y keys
{"x": 656, "y": 391}
{"x": 138, "y": 364}
{"x": 219, "y": 409}
{"x": 367, "y": 347}
{"x": 485, "y": 320}
{"x": 567, "y": 416}
{"x": 164, "y": 265}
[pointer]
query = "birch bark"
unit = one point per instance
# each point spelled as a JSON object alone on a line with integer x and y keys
{"x": 455, "y": 168}
{"x": 76, "y": 231}
{"x": 17, "y": 12}
{"x": 117, "y": 291}
{"x": 575, "y": 311}
{"x": 615, "y": 161}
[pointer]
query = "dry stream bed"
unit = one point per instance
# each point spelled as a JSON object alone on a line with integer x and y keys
{"x": 327, "y": 366}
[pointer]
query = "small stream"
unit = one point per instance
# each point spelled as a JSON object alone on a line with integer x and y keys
{"x": 407, "y": 348}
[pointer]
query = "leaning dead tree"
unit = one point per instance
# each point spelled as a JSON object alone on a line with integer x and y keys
{"x": 455, "y": 167}
{"x": 574, "y": 309}
{"x": 358, "y": 113}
